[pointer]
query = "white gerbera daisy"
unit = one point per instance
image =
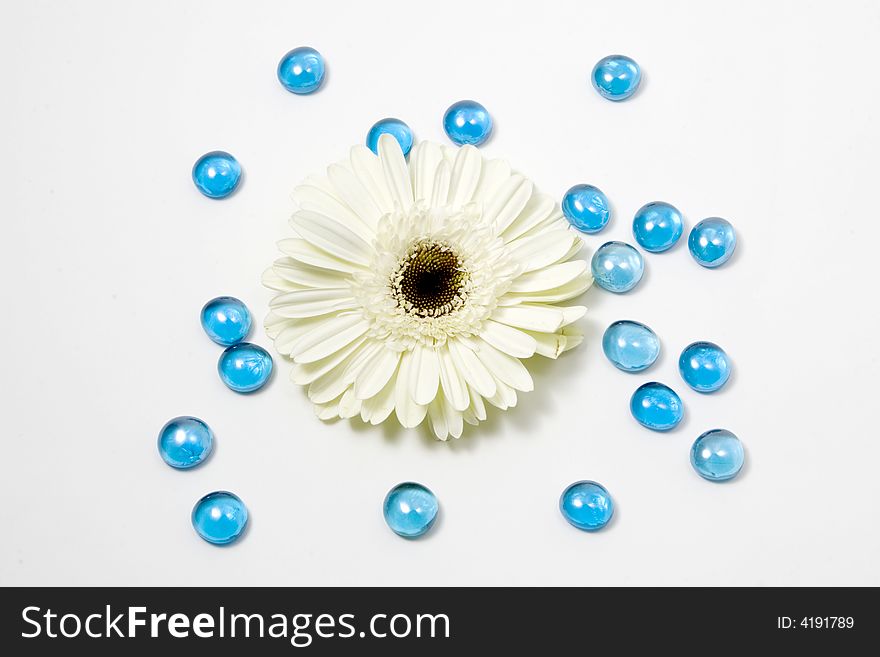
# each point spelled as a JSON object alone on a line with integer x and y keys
{"x": 417, "y": 289}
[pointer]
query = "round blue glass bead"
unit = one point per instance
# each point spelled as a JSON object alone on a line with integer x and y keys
{"x": 586, "y": 208}
{"x": 704, "y": 366}
{"x": 586, "y": 505}
{"x": 245, "y": 367}
{"x": 712, "y": 242}
{"x": 657, "y": 226}
{"x": 717, "y": 455}
{"x": 394, "y": 127}
{"x": 301, "y": 71}
{"x": 410, "y": 509}
{"x": 185, "y": 441}
{"x": 617, "y": 267}
{"x": 216, "y": 174}
{"x": 656, "y": 406}
{"x": 226, "y": 320}
{"x": 467, "y": 122}
{"x": 219, "y": 517}
{"x": 616, "y": 77}
{"x": 630, "y": 346}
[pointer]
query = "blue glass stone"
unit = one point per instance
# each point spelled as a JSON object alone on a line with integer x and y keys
{"x": 467, "y": 122}
{"x": 216, "y": 174}
{"x": 245, "y": 367}
{"x": 586, "y": 208}
{"x": 616, "y": 77}
{"x": 617, "y": 267}
{"x": 394, "y": 127}
{"x": 656, "y": 406}
{"x": 226, "y": 320}
{"x": 717, "y": 455}
{"x": 410, "y": 509}
{"x": 185, "y": 441}
{"x": 301, "y": 71}
{"x": 630, "y": 346}
{"x": 586, "y": 505}
{"x": 657, "y": 226}
{"x": 712, "y": 242}
{"x": 220, "y": 517}
{"x": 704, "y": 366}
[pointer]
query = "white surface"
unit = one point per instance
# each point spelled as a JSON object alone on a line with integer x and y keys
{"x": 765, "y": 114}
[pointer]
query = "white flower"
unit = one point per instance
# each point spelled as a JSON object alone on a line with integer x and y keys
{"x": 417, "y": 289}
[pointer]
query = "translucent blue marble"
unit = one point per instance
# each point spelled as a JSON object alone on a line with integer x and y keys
{"x": 704, "y": 366}
{"x": 467, "y": 122}
{"x": 410, "y": 509}
{"x": 301, "y": 71}
{"x": 657, "y": 226}
{"x": 586, "y": 505}
{"x": 630, "y": 346}
{"x": 220, "y": 517}
{"x": 656, "y": 406}
{"x": 617, "y": 267}
{"x": 712, "y": 242}
{"x": 245, "y": 367}
{"x": 586, "y": 208}
{"x": 616, "y": 77}
{"x": 394, "y": 127}
{"x": 216, "y": 174}
{"x": 185, "y": 441}
{"x": 717, "y": 455}
{"x": 226, "y": 320}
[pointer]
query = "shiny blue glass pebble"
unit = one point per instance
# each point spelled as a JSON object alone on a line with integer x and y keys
{"x": 657, "y": 226}
{"x": 226, "y": 320}
{"x": 630, "y": 346}
{"x": 617, "y": 267}
{"x": 717, "y": 455}
{"x": 301, "y": 71}
{"x": 220, "y": 517}
{"x": 712, "y": 242}
{"x": 467, "y": 122}
{"x": 586, "y": 208}
{"x": 586, "y": 505}
{"x": 656, "y": 406}
{"x": 704, "y": 366}
{"x": 245, "y": 367}
{"x": 410, "y": 509}
{"x": 394, "y": 127}
{"x": 216, "y": 174}
{"x": 616, "y": 77}
{"x": 185, "y": 441}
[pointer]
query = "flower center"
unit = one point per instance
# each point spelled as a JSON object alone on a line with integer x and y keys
{"x": 430, "y": 281}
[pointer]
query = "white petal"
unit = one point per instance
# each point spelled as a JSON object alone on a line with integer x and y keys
{"x": 465, "y": 176}
{"x": 452, "y": 382}
{"x": 546, "y": 319}
{"x": 332, "y": 237}
{"x": 549, "y": 277}
{"x": 376, "y": 374}
{"x": 504, "y": 398}
{"x": 307, "y": 276}
{"x": 508, "y": 339}
{"x": 311, "y": 303}
{"x": 541, "y": 250}
{"x": 408, "y": 412}
{"x": 304, "y": 373}
{"x": 570, "y": 290}
{"x": 273, "y": 281}
{"x": 571, "y": 314}
{"x": 328, "y": 411}
{"x": 332, "y": 384}
{"x": 424, "y": 374}
{"x": 364, "y": 356}
{"x": 317, "y": 200}
{"x": 368, "y": 169}
{"x": 505, "y": 368}
{"x": 471, "y": 368}
{"x": 288, "y": 332}
{"x": 349, "y": 188}
{"x": 437, "y": 416}
{"x": 442, "y": 178}
{"x": 301, "y": 250}
{"x": 379, "y": 407}
{"x": 477, "y": 404}
{"x": 505, "y": 204}
{"x": 492, "y": 176}
{"x": 396, "y": 172}
{"x": 349, "y": 405}
{"x": 424, "y": 159}
{"x": 539, "y": 208}
{"x": 328, "y": 337}
{"x": 453, "y": 418}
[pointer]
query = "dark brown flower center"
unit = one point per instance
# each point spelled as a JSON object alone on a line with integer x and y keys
{"x": 430, "y": 281}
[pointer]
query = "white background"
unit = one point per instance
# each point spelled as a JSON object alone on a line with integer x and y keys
{"x": 764, "y": 112}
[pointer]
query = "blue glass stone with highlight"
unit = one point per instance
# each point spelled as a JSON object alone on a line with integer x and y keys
{"x": 704, "y": 366}
{"x": 185, "y": 441}
{"x": 586, "y": 505}
{"x": 301, "y": 71}
{"x": 467, "y": 122}
{"x": 712, "y": 242}
{"x": 717, "y": 455}
{"x": 220, "y": 517}
{"x": 586, "y": 208}
{"x": 657, "y": 226}
{"x": 617, "y": 267}
{"x": 226, "y": 320}
{"x": 616, "y": 77}
{"x": 245, "y": 367}
{"x": 394, "y": 127}
{"x": 410, "y": 509}
{"x": 216, "y": 174}
{"x": 656, "y": 406}
{"x": 630, "y": 346}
